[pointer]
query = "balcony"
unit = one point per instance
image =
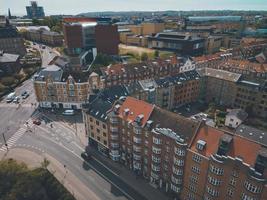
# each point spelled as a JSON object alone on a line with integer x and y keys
{"x": 155, "y": 168}
{"x": 154, "y": 175}
{"x": 114, "y": 145}
{"x": 177, "y": 181}
{"x": 177, "y": 171}
{"x": 137, "y": 140}
{"x": 114, "y": 152}
{"x": 114, "y": 129}
{"x": 136, "y": 157}
{"x": 114, "y": 120}
{"x": 156, "y": 150}
{"x": 178, "y": 162}
{"x": 114, "y": 137}
{"x": 137, "y": 149}
{"x": 179, "y": 152}
{"x": 137, "y": 131}
{"x": 156, "y": 159}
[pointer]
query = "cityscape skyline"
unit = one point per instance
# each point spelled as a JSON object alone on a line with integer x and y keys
{"x": 80, "y": 6}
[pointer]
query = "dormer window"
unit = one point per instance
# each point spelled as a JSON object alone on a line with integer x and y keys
{"x": 200, "y": 145}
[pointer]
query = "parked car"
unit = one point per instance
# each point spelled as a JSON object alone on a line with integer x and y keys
{"x": 68, "y": 112}
{"x": 10, "y": 97}
{"x": 36, "y": 122}
{"x": 24, "y": 94}
{"x": 86, "y": 156}
{"x": 16, "y": 99}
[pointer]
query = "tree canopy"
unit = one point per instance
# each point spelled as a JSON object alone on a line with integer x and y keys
{"x": 17, "y": 182}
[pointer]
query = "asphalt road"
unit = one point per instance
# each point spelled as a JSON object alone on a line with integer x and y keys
{"x": 47, "y": 53}
{"x": 12, "y": 115}
{"x": 61, "y": 143}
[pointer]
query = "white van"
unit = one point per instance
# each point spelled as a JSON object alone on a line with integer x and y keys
{"x": 10, "y": 97}
{"x": 68, "y": 112}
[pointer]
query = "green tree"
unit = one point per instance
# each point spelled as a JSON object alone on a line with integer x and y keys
{"x": 144, "y": 57}
{"x": 156, "y": 54}
{"x": 8, "y": 81}
{"x": 45, "y": 163}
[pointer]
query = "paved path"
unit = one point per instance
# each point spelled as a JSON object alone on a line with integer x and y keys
{"x": 64, "y": 176}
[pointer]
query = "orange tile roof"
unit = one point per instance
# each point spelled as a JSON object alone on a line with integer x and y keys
{"x": 246, "y": 65}
{"x": 238, "y": 148}
{"x": 246, "y": 149}
{"x": 211, "y": 136}
{"x": 136, "y": 107}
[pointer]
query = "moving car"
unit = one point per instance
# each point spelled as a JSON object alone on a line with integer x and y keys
{"x": 36, "y": 122}
{"x": 86, "y": 156}
{"x": 68, "y": 112}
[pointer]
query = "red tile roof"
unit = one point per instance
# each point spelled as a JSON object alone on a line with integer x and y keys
{"x": 136, "y": 107}
{"x": 240, "y": 147}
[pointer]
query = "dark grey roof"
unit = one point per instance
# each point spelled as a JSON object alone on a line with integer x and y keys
{"x": 239, "y": 113}
{"x": 175, "y": 36}
{"x": 133, "y": 87}
{"x": 8, "y": 32}
{"x": 52, "y": 71}
{"x": 100, "y": 104}
{"x": 252, "y": 134}
{"x": 7, "y": 58}
{"x": 220, "y": 74}
{"x": 182, "y": 126}
{"x": 177, "y": 79}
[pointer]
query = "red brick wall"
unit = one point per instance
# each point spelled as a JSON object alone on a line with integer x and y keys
{"x": 107, "y": 39}
{"x": 73, "y": 36}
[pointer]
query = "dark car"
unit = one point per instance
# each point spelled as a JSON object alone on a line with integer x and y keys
{"x": 36, "y": 122}
{"x": 24, "y": 94}
{"x": 85, "y": 156}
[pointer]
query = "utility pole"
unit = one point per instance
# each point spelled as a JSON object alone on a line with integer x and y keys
{"x": 5, "y": 141}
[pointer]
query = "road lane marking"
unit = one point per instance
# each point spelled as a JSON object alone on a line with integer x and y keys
{"x": 78, "y": 156}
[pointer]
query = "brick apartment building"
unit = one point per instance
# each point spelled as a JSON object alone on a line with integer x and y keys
{"x": 252, "y": 96}
{"x": 10, "y": 40}
{"x": 223, "y": 166}
{"x": 150, "y": 141}
{"x": 95, "y": 116}
{"x": 44, "y": 36}
{"x": 56, "y": 88}
{"x": 126, "y": 73}
{"x": 168, "y": 92}
{"x": 218, "y": 86}
{"x": 180, "y": 156}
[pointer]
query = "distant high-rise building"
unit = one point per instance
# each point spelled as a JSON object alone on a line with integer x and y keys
{"x": 34, "y": 11}
{"x": 9, "y": 14}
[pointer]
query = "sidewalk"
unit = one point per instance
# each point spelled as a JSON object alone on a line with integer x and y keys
{"x": 140, "y": 184}
{"x": 65, "y": 177}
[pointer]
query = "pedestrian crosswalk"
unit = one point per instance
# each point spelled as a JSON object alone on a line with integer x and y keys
{"x": 11, "y": 141}
{"x": 27, "y": 126}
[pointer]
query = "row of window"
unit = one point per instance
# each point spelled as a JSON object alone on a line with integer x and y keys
{"x": 216, "y": 170}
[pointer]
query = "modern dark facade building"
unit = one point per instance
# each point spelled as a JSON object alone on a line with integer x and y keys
{"x": 84, "y": 34}
{"x": 34, "y": 11}
{"x": 179, "y": 43}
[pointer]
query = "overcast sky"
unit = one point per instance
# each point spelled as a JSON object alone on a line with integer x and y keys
{"x": 77, "y": 6}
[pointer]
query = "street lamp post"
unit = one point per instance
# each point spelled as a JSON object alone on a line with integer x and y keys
{"x": 5, "y": 141}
